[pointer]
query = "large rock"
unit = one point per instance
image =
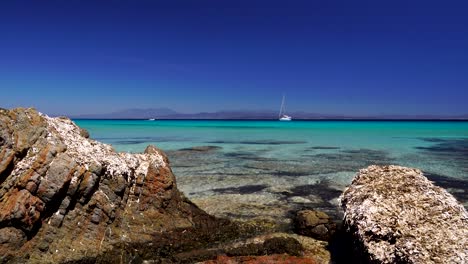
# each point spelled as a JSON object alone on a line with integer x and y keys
{"x": 396, "y": 215}
{"x": 64, "y": 197}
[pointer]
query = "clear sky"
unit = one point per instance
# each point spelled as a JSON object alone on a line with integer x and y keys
{"x": 333, "y": 57}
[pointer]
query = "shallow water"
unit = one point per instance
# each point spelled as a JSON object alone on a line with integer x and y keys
{"x": 247, "y": 169}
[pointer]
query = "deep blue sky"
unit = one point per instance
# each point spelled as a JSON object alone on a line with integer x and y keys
{"x": 347, "y": 57}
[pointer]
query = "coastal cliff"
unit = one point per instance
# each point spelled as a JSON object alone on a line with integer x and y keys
{"x": 67, "y": 198}
{"x": 396, "y": 215}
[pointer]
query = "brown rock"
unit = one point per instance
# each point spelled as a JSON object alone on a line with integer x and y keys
{"x": 280, "y": 245}
{"x": 268, "y": 248}
{"x": 272, "y": 259}
{"x": 66, "y": 198}
{"x": 315, "y": 224}
{"x": 21, "y": 209}
{"x": 11, "y": 238}
{"x": 84, "y": 133}
{"x": 151, "y": 149}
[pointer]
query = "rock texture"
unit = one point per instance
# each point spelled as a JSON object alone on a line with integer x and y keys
{"x": 279, "y": 248}
{"x": 396, "y": 215}
{"x": 314, "y": 224}
{"x": 67, "y": 198}
{"x": 271, "y": 259}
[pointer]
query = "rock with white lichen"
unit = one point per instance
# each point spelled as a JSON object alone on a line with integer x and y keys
{"x": 396, "y": 215}
{"x": 67, "y": 198}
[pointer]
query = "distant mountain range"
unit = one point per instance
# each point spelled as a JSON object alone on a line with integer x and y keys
{"x": 133, "y": 113}
{"x": 166, "y": 113}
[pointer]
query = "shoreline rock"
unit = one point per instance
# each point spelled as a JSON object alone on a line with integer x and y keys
{"x": 396, "y": 215}
{"x": 66, "y": 198}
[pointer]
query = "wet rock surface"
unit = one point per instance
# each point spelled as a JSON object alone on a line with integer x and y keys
{"x": 396, "y": 215}
{"x": 272, "y": 248}
{"x": 314, "y": 224}
{"x": 284, "y": 258}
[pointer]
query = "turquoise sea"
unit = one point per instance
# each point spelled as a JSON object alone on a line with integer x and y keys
{"x": 247, "y": 169}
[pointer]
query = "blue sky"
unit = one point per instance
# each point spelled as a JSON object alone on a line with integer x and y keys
{"x": 334, "y": 57}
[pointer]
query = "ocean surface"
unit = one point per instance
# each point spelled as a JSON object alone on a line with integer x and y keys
{"x": 268, "y": 169}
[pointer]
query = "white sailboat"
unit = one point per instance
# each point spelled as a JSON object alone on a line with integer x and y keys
{"x": 282, "y": 115}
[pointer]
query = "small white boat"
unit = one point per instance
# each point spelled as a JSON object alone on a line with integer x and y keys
{"x": 282, "y": 115}
{"x": 285, "y": 118}
{"x": 151, "y": 119}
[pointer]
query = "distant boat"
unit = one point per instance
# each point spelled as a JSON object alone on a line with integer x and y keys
{"x": 151, "y": 119}
{"x": 282, "y": 115}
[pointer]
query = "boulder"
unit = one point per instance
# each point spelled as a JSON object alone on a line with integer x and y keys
{"x": 396, "y": 215}
{"x": 67, "y": 198}
{"x": 315, "y": 224}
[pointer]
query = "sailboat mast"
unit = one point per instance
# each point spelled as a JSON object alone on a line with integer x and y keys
{"x": 282, "y": 107}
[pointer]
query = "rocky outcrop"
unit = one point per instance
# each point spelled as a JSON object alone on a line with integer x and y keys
{"x": 396, "y": 215}
{"x": 67, "y": 198}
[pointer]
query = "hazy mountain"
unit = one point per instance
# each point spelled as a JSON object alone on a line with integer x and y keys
{"x": 133, "y": 113}
{"x": 166, "y": 113}
{"x": 230, "y": 115}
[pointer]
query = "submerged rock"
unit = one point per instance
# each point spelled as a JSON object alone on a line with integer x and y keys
{"x": 67, "y": 198}
{"x": 280, "y": 248}
{"x": 271, "y": 259}
{"x": 315, "y": 224}
{"x": 396, "y": 215}
{"x": 201, "y": 148}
